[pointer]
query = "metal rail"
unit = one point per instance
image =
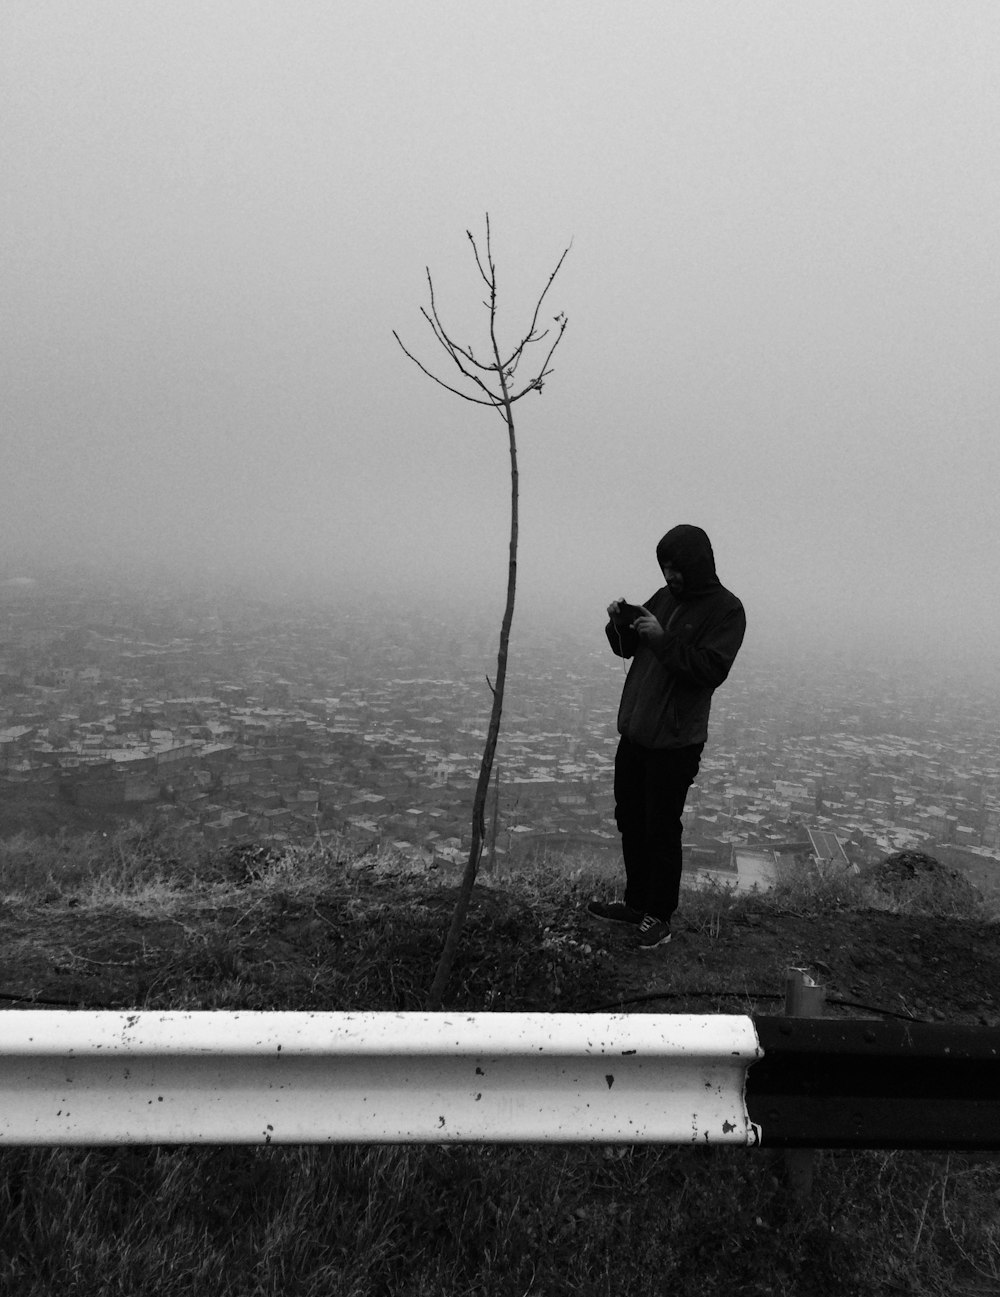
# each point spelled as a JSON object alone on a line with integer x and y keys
{"x": 824, "y": 1083}
{"x": 79, "y": 1077}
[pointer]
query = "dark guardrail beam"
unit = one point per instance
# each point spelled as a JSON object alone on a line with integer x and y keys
{"x": 826, "y": 1083}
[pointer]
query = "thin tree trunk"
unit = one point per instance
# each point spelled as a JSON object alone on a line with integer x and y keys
{"x": 473, "y": 371}
{"x": 491, "y": 859}
{"x": 450, "y": 949}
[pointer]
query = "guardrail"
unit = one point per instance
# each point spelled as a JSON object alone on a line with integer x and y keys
{"x": 83, "y": 1077}
{"x": 829, "y": 1083}
{"x": 79, "y": 1077}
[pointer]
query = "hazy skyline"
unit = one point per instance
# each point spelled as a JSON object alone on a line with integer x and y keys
{"x": 782, "y": 298}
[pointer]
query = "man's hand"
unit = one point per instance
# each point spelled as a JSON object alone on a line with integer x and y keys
{"x": 648, "y": 628}
{"x": 613, "y": 607}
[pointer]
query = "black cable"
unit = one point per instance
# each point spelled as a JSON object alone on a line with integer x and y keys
{"x": 679, "y": 995}
{"x": 743, "y": 995}
{"x": 41, "y": 999}
{"x": 646, "y": 998}
{"x": 621, "y": 646}
{"x": 874, "y": 1008}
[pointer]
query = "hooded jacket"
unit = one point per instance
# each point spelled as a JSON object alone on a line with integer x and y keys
{"x": 668, "y": 691}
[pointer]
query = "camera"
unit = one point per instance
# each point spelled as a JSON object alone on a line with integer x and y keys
{"x": 627, "y": 614}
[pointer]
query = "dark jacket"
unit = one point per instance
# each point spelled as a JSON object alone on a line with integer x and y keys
{"x": 668, "y": 692}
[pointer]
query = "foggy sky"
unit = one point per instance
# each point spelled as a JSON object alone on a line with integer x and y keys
{"x": 782, "y": 297}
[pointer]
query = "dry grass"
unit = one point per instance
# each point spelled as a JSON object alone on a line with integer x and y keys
{"x": 936, "y": 892}
{"x": 464, "y": 1219}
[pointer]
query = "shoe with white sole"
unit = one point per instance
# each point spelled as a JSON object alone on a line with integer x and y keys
{"x": 653, "y": 932}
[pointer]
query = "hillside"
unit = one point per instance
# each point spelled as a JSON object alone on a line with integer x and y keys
{"x": 128, "y": 921}
{"x": 137, "y": 926}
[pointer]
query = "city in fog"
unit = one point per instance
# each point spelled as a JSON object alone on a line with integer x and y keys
{"x": 253, "y": 718}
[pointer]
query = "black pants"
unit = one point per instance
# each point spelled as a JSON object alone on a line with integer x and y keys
{"x": 650, "y": 787}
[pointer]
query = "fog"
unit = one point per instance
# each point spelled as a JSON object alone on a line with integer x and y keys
{"x": 782, "y": 295}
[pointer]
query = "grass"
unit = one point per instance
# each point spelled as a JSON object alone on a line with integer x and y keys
{"x": 468, "y": 1219}
{"x": 310, "y": 927}
{"x": 937, "y": 890}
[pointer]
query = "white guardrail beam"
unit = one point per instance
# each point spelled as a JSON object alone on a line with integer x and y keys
{"x": 82, "y": 1077}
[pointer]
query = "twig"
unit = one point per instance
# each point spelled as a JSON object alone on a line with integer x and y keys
{"x": 923, "y": 1215}
{"x": 447, "y": 386}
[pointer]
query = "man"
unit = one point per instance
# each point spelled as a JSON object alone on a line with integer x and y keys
{"x": 682, "y": 642}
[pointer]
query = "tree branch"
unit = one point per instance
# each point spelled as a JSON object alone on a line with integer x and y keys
{"x": 454, "y": 353}
{"x": 441, "y": 383}
{"x": 538, "y": 306}
{"x": 442, "y": 335}
{"x": 475, "y": 251}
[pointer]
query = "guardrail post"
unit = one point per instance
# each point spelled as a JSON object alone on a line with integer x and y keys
{"x": 803, "y": 999}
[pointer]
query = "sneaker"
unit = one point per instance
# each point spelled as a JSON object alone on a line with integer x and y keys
{"x": 614, "y": 912}
{"x": 653, "y": 932}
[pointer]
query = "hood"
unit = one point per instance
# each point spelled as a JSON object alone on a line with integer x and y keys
{"x": 689, "y": 550}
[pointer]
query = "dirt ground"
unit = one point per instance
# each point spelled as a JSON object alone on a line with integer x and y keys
{"x": 310, "y": 954}
{"x": 867, "y": 961}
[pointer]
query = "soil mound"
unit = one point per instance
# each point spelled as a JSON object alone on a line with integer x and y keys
{"x": 907, "y": 875}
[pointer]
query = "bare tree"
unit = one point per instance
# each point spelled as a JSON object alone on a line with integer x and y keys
{"x": 491, "y": 381}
